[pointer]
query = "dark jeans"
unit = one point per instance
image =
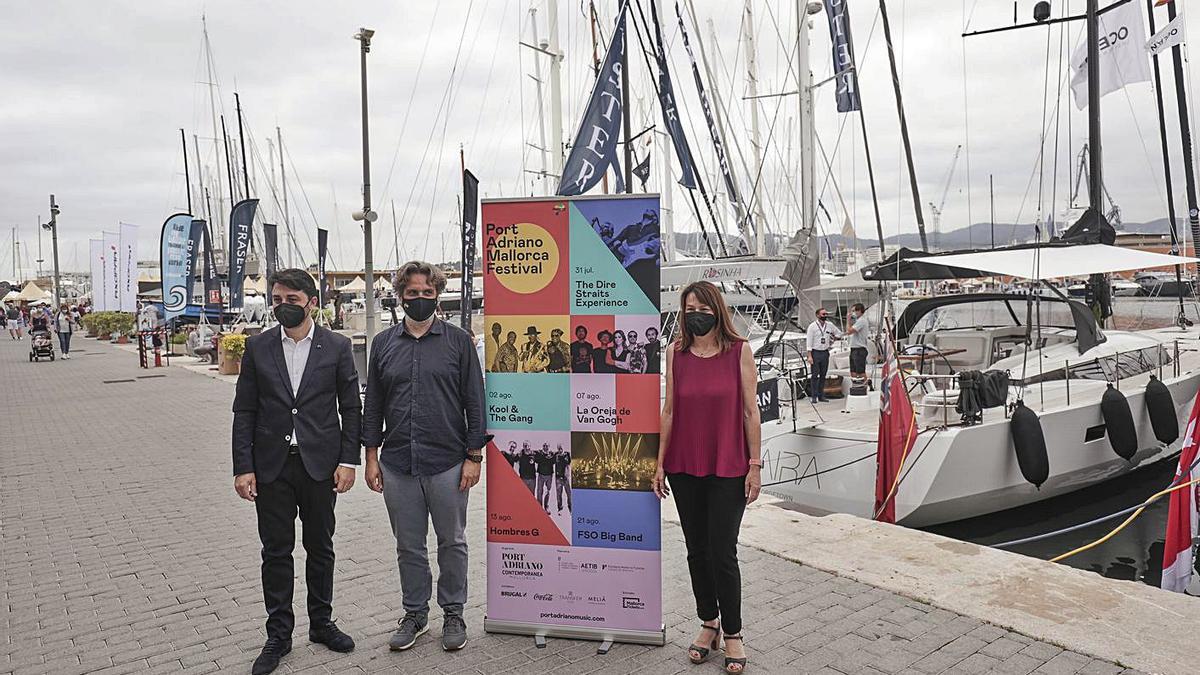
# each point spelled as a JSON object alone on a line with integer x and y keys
{"x": 820, "y": 367}
{"x": 277, "y": 504}
{"x": 710, "y": 513}
{"x": 64, "y": 342}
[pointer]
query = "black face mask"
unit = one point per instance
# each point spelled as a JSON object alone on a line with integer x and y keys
{"x": 290, "y": 315}
{"x": 419, "y": 309}
{"x": 699, "y": 323}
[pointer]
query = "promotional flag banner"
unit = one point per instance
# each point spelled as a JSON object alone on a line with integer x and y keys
{"x": 127, "y": 273}
{"x": 642, "y": 170}
{"x": 174, "y": 259}
{"x": 212, "y": 283}
{"x": 195, "y": 245}
{"x": 322, "y": 247}
{"x": 470, "y": 218}
{"x": 1122, "y": 59}
{"x": 1169, "y": 36}
{"x": 270, "y": 247}
{"x": 897, "y": 434}
{"x": 1183, "y": 514}
{"x": 111, "y": 288}
{"x": 595, "y": 146}
{"x": 838, "y": 13}
{"x": 241, "y": 220}
{"x": 96, "y": 266}
{"x": 709, "y": 117}
{"x": 573, "y": 356}
{"x": 666, "y": 99}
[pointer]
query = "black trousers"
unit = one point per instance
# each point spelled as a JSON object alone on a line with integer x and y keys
{"x": 820, "y": 368}
{"x": 710, "y": 513}
{"x": 278, "y": 502}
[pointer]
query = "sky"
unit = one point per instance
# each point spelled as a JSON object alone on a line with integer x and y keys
{"x": 94, "y": 96}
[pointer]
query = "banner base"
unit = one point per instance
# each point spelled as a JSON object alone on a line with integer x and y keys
{"x": 639, "y": 637}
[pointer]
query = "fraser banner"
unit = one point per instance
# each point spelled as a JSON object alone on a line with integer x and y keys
{"x": 572, "y": 359}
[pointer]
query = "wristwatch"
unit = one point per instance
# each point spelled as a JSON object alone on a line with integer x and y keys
{"x": 477, "y": 458}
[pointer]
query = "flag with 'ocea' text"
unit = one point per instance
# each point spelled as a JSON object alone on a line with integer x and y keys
{"x": 1121, "y": 42}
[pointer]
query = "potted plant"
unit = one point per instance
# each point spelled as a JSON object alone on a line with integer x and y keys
{"x": 121, "y": 325}
{"x": 89, "y": 324}
{"x": 232, "y": 347}
{"x": 177, "y": 342}
{"x": 101, "y": 323}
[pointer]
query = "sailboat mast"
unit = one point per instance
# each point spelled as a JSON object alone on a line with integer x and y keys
{"x": 1166, "y": 155}
{"x": 200, "y": 179}
{"x": 755, "y": 143}
{"x": 187, "y": 176}
{"x": 1095, "y": 182}
{"x": 556, "y": 112}
{"x": 1185, "y": 133}
{"x": 592, "y": 19}
{"x": 228, "y": 163}
{"x": 625, "y": 123}
{"x": 808, "y": 165}
{"x": 212, "y": 107}
{"x": 912, "y": 174}
{"x": 287, "y": 221}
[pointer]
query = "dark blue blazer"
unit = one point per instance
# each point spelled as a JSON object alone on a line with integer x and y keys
{"x": 326, "y": 411}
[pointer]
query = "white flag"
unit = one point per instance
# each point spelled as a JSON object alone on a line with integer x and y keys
{"x": 96, "y": 258}
{"x": 1122, "y": 57}
{"x": 127, "y": 274}
{"x": 1170, "y": 35}
{"x": 110, "y": 288}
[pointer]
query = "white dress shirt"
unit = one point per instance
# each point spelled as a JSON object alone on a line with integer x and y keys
{"x": 295, "y": 355}
{"x": 821, "y": 335}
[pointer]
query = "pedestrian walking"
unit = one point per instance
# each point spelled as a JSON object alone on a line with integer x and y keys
{"x": 12, "y": 319}
{"x": 423, "y": 428}
{"x": 64, "y": 326}
{"x": 709, "y": 456}
{"x": 292, "y": 454}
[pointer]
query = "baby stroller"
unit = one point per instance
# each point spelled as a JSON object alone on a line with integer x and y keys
{"x": 40, "y": 345}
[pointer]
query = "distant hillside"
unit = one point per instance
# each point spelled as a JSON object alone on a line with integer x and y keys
{"x": 978, "y": 235}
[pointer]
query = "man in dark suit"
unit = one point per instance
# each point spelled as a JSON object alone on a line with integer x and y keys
{"x": 296, "y": 420}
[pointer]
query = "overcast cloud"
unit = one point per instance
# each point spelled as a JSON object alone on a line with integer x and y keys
{"x": 94, "y": 95}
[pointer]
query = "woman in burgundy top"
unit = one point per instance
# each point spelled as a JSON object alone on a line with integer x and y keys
{"x": 708, "y": 454}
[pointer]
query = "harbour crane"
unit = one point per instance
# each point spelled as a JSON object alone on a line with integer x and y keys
{"x": 937, "y": 208}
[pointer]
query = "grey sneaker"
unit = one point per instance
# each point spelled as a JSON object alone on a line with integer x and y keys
{"x": 411, "y": 627}
{"x": 454, "y": 633}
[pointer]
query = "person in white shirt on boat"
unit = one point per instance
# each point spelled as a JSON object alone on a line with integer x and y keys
{"x": 821, "y": 336}
{"x": 858, "y": 327}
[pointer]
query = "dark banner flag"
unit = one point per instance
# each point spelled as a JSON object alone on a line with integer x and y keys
{"x": 270, "y": 247}
{"x": 195, "y": 244}
{"x": 838, "y": 13}
{"x": 666, "y": 99}
{"x": 212, "y": 284}
{"x": 173, "y": 259}
{"x": 709, "y": 117}
{"x": 241, "y": 220}
{"x": 322, "y": 247}
{"x": 470, "y": 219}
{"x": 595, "y": 146}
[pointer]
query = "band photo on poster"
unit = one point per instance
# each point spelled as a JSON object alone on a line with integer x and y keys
{"x": 629, "y": 345}
{"x": 527, "y": 344}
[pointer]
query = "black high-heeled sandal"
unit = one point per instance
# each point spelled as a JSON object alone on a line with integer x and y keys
{"x": 730, "y": 661}
{"x": 702, "y": 654}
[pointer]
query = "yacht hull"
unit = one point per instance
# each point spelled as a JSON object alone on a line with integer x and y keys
{"x": 962, "y": 472}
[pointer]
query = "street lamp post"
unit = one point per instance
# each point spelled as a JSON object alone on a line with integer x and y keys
{"x": 367, "y": 216}
{"x": 53, "y": 227}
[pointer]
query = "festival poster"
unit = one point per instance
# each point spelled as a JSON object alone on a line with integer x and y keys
{"x": 572, "y": 358}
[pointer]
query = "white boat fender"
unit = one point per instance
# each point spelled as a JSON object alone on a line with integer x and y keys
{"x": 1118, "y": 422}
{"x": 1161, "y": 408}
{"x": 1030, "y": 444}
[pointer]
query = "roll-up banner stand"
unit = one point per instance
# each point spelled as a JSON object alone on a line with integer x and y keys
{"x": 573, "y": 377}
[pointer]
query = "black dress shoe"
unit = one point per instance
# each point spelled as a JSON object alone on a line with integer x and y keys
{"x": 331, "y": 636}
{"x": 268, "y": 659}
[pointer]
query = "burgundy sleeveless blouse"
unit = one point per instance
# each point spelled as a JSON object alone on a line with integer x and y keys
{"x": 707, "y": 424}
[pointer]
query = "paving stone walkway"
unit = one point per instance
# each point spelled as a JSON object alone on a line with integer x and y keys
{"x": 125, "y": 550}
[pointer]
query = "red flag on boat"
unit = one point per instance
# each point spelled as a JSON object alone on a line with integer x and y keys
{"x": 1183, "y": 516}
{"x": 897, "y": 434}
{"x": 1160, "y": 3}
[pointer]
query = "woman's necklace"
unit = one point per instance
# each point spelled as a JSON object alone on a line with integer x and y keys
{"x": 706, "y": 353}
